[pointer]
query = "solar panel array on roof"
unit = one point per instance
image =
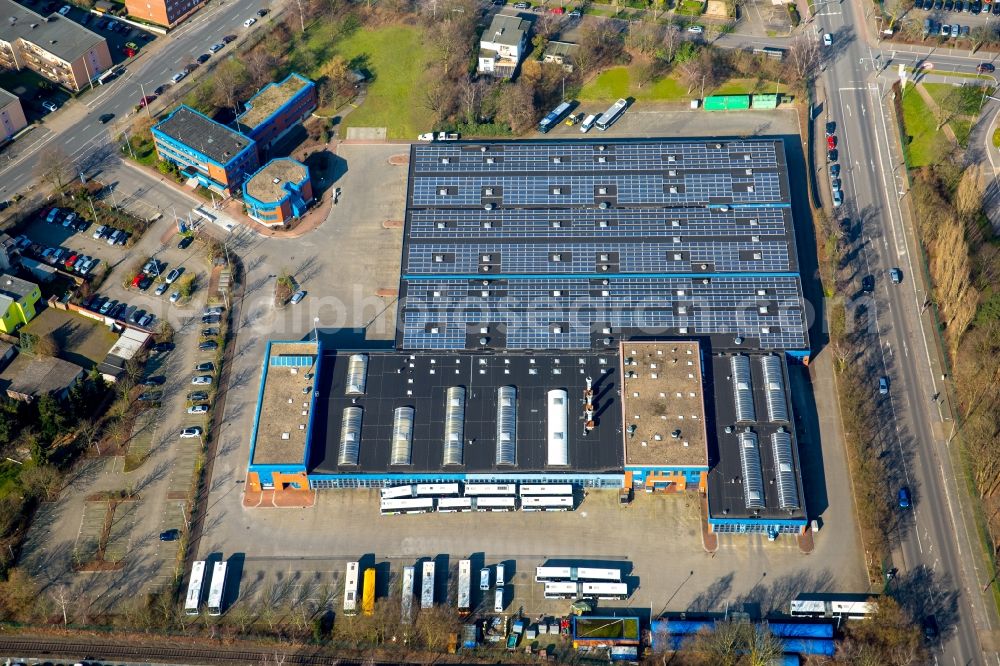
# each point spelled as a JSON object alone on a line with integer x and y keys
{"x": 784, "y": 473}
{"x": 507, "y": 244}
{"x": 742, "y": 388}
{"x": 753, "y": 478}
{"x": 774, "y": 389}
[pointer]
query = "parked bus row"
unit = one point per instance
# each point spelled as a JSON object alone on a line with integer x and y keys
{"x": 196, "y": 588}
{"x": 392, "y": 507}
{"x": 419, "y": 490}
{"x": 601, "y": 122}
{"x": 586, "y": 590}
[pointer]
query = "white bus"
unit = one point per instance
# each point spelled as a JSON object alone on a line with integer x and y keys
{"x": 392, "y": 507}
{"x": 497, "y": 489}
{"x": 546, "y": 489}
{"x": 834, "y": 605}
{"x": 566, "y": 590}
{"x": 604, "y": 590}
{"x": 407, "y": 603}
{"x": 613, "y": 113}
{"x": 452, "y": 504}
{"x": 543, "y": 503}
{"x": 495, "y": 503}
{"x": 498, "y": 601}
{"x": 192, "y": 603}
{"x": 397, "y": 492}
{"x": 427, "y": 586}
{"x": 217, "y": 590}
{"x": 564, "y": 574}
{"x": 464, "y": 587}
{"x": 437, "y": 489}
{"x": 351, "y": 589}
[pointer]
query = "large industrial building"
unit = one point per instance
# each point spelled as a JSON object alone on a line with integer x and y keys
{"x": 605, "y": 314}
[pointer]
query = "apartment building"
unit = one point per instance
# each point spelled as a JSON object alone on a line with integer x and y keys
{"x": 12, "y": 118}
{"x": 167, "y": 13}
{"x": 54, "y": 46}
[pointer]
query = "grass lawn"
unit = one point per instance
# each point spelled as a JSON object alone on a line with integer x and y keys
{"x": 996, "y": 138}
{"x": 927, "y": 145}
{"x": 962, "y": 127}
{"x": 749, "y": 87}
{"x": 398, "y": 59}
{"x": 616, "y": 82}
{"x": 691, "y": 8}
{"x": 9, "y": 473}
{"x": 626, "y": 627}
{"x": 938, "y": 90}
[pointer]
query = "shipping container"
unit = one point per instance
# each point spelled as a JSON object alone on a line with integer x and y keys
{"x": 765, "y": 101}
{"x": 727, "y": 102}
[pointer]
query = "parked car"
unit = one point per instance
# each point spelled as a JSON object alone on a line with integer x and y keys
{"x": 157, "y": 380}
{"x": 64, "y": 10}
{"x": 53, "y": 215}
{"x": 170, "y": 535}
{"x": 835, "y": 184}
{"x": 145, "y": 101}
{"x": 985, "y": 67}
{"x": 197, "y": 409}
{"x": 297, "y": 297}
{"x": 134, "y": 318}
{"x": 832, "y": 155}
{"x": 151, "y": 396}
{"x": 197, "y": 396}
{"x": 202, "y": 380}
{"x": 831, "y": 142}
{"x": 575, "y": 14}
{"x": 696, "y": 29}
{"x": 215, "y": 48}
{"x": 203, "y": 58}
{"x": 209, "y": 332}
{"x": 249, "y": 22}
{"x": 208, "y": 345}
{"x": 174, "y": 297}
{"x": 904, "y": 498}
{"x": 207, "y": 366}
{"x": 827, "y": 39}
{"x": 868, "y": 283}
{"x": 173, "y": 275}
{"x": 838, "y": 198}
{"x": 895, "y": 275}
{"x": 185, "y": 242}
{"x": 163, "y": 347}
{"x": 229, "y": 38}
{"x": 161, "y": 289}
{"x": 191, "y": 432}
{"x": 831, "y": 128}
{"x": 262, "y": 12}
{"x": 834, "y": 171}
{"x": 210, "y": 319}
{"x": 214, "y": 310}
{"x": 145, "y": 320}
{"x": 883, "y": 386}
{"x": 107, "y": 306}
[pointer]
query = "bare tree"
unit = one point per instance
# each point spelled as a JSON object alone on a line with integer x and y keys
{"x": 804, "y": 56}
{"x": 671, "y": 40}
{"x": 55, "y": 167}
{"x": 230, "y": 78}
{"x": 42, "y": 480}
{"x": 61, "y": 597}
{"x": 470, "y": 95}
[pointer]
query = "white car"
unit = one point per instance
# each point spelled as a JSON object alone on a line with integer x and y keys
{"x": 249, "y": 22}
{"x": 202, "y": 380}
{"x": 176, "y": 78}
{"x": 191, "y": 432}
{"x": 174, "y": 297}
{"x": 49, "y": 106}
{"x": 64, "y": 10}
{"x": 827, "y": 39}
{"x": 173, "y": 275}
{"x": 426, "y": 136}
{"x": 696, "y": 29}
{"x": 198, "y": 409}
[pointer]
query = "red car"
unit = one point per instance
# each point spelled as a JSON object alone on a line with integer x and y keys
{"x": 146, "y": 101}
{"x": 69, "y": 262}
{"x": 137, "y": 279}
{"x": 831, "y": 142}
{"x": 557, "y": 10}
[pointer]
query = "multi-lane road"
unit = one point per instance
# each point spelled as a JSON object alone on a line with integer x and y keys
{"x": 937, "y": 550}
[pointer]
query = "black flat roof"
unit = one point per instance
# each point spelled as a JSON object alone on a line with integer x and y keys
{"x": 725, "y": 477}
{"x": 421, "y": 379}
{"x": 199, "y": 132}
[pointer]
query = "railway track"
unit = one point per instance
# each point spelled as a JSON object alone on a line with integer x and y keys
{"x": 56, "y": 649}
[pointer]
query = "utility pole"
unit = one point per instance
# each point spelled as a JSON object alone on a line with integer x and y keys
{"x": 142, "y": 89}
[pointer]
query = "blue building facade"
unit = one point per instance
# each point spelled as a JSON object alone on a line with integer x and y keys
{"x": 280, "y": 192}
{"x": 219, "y": 158}
{"x": 277, "y": 108}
